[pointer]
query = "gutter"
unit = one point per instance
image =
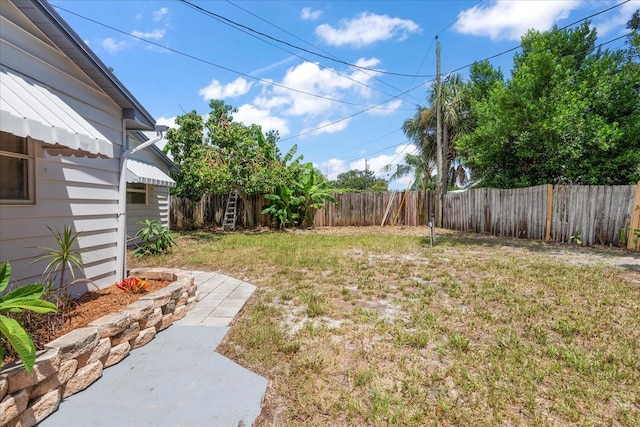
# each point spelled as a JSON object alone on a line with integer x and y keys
{"x": 121, "y": 244}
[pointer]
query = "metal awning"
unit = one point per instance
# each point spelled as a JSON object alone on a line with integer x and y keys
{"x": 30, "y": 109}
{"x": 144, "y": 173}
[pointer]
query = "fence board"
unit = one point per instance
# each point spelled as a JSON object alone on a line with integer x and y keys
{"x": 597, "y": 213}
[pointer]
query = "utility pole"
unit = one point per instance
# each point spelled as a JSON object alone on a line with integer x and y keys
{"x": 366, "y": 174}
{"x": 441, "y": 155}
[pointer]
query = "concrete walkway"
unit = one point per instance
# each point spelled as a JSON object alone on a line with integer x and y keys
{"x": 177, "y": 379}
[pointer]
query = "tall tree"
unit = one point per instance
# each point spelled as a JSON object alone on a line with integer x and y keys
{"x": 570, "y": 114}
{"x": 219, "y": 154}
{"x": 359, "y": 180}
{"x": 421, "y": 130}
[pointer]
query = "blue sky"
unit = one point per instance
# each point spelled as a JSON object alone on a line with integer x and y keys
{"x": 337, "y": 78}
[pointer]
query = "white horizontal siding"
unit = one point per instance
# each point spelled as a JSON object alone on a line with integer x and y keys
{"x": 63, "y": 198}
{"x": 156, "y": 209}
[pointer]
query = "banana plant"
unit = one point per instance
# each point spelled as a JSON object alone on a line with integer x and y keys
{"x": 26, "y": 297}
{"x": 313, "y": 192}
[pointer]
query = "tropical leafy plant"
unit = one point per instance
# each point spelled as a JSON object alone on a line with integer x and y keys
{"x": 26, "y": 297}
{"x": 155, "y": 238}
{"x": 295, "y": 205}
{"x": 283, "y": 207}
{"x": 64, "y": 257}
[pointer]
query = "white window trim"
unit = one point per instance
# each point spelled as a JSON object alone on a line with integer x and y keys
{"x": 31, "y": 166}
{"x": 136, "y": 190}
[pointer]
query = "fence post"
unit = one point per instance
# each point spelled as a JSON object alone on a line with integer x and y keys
{"x": 547, "y": 233}
{"x": 635, "y": 219}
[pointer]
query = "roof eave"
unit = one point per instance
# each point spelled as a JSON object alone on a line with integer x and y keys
{"x": 134, "y": 114}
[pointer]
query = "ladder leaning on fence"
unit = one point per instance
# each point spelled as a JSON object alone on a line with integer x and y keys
{"x": 231, "y": 212}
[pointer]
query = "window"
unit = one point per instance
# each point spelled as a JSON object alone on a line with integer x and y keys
{"x": 137, "y": 193}
{"x": 16, "y": 169}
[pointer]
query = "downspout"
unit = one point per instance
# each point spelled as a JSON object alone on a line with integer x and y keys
{"x": 121, "y": 259}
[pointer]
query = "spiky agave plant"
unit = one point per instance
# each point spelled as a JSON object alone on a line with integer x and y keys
{"x": 64, "y": 257}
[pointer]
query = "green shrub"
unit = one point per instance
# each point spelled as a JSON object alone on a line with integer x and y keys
{"x": 26, "y": 297}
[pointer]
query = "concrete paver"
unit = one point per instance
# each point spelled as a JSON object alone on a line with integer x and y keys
{"x": 177, "y": 379}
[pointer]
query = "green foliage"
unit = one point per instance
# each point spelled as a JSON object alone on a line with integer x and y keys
{"x": 283, "y": 207}
{"x": 155, "y": 238}
{"x": 358, "y": 180}
{"x": 295, "y": 204}
{"x": 421, "y": 130}
{"x": 64, "y": 257}
{"x": 26, "y": 297}
{"x": 218, "y": 154}
{"x": 568, "y": 115}
{"x": 635, "y": 235}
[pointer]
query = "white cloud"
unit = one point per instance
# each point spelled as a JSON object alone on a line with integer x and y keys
{"x": 249, "y": 115}
{"x": 309, "y": 78}
{"x": 156, "y": 34}
{"x": 386, "y": 109}
{"x": 378, "y": 163}
{"x": 112, "y": 46}
{"x": 309, "y": 14}
{"x": 328, "y": 126}
{"x": 333, "y": 167}
{"x": 215, "y": 90}
{"x": 618, "y": 20}
{"x": 367, "y": 28}
{"x": 167, "y": 121}
{"x": 272, "y": 66}
{"x": 159, "y": 14}
{"x": 512, "y": 19}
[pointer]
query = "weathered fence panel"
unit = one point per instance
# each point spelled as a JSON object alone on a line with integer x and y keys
{"x": 209, "y": 212}
{"x": 594, "y": 214}
{"x": 513, "y": 212}
{"x": 411, "y": 208}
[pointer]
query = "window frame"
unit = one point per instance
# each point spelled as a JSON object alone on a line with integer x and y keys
{"x": 30, "y": 157}
{"x": 145, "y": 191}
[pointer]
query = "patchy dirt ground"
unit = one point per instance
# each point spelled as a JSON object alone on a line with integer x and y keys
{"x": 574, "y": 254}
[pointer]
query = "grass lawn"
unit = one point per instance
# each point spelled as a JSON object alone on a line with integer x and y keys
{"x": 373, "y": 326}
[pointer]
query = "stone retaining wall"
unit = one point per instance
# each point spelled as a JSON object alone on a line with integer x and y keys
{"x": 74, "y": 361}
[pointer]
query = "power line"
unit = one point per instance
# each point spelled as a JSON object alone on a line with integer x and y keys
{"x": 354, "y": 114}
{"x": 204, "y": 61}
{"x": 247, "y": 30}
{"x": 457, "y": 18}
{"x": 320, "y": 55}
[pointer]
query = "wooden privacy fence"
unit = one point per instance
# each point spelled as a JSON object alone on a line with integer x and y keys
{"x": 411, "y": 208}
{"x": 588, "y": 213}
{"x": 209, "y": 212}
{"x": 593, "y": 214}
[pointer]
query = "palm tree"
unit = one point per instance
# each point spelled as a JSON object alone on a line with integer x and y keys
{"x": 421, "y": 130}
{"x": 421, "y": 169}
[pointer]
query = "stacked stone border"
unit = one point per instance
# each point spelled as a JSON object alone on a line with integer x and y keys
{"x": 74, "y": 361}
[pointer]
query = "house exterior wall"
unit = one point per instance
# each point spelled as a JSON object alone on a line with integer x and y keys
{"x": 158, "y": 197}
{"x": 70, "y": 190}
{"x": 157, "y": 208}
